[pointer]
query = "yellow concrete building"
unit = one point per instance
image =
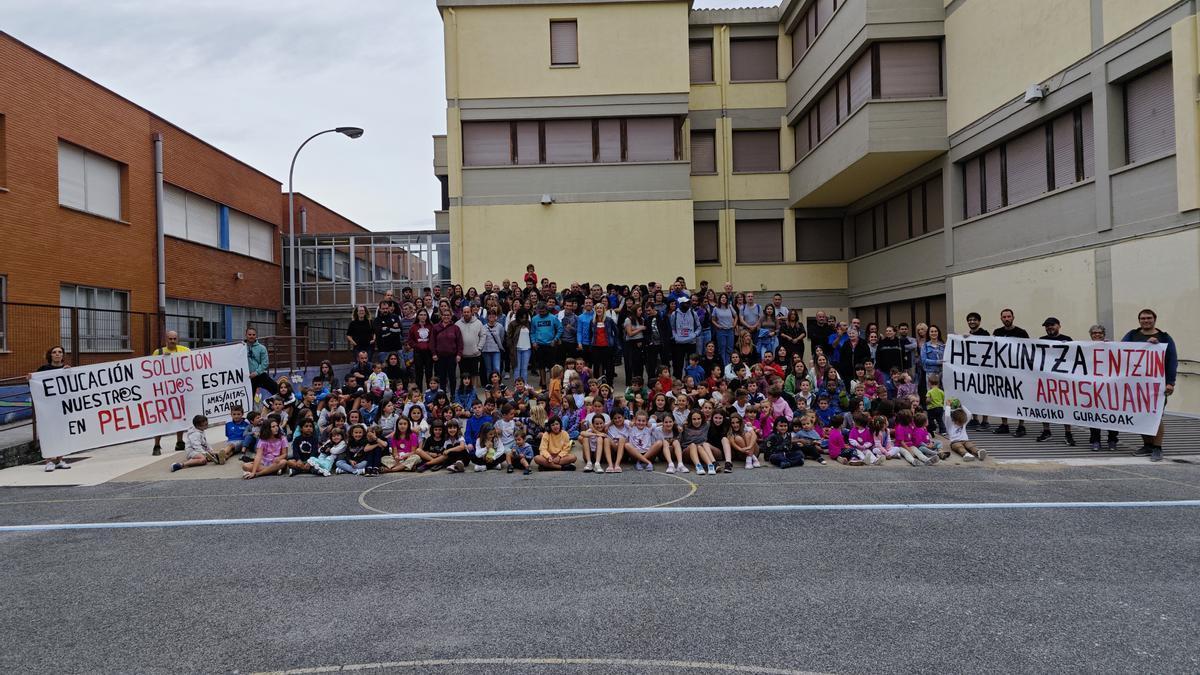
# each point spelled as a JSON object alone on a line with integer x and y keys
{"x": 896, "y": 160}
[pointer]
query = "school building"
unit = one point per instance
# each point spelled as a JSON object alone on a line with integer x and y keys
{"x": 896, "y": 160}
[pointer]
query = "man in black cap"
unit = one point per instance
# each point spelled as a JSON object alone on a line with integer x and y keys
{"x": 1008, "y": 329}
{"x": 1053, "y": 327}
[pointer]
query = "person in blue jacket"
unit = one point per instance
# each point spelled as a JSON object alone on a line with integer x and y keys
{"x": 545, "y": 331}
{"x": 1147, "y": 331}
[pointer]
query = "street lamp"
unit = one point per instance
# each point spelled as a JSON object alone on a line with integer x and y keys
{"x": 351, "y": 132}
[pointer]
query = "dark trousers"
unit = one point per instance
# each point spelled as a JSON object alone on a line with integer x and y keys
{"x": 650, "y": 361}
{"x": 1095, "y": 436}
{"x": 602, "y": 363}
{"x": 679, "y": 357}
{"x": 264, "y": 381}
{"x": 633, "y": 360}
{"x": 936, "y": 423}
{"x": 444, "y": 368}
{"x": 470, "y": 365}
{"x": 791, "y": 457}
{"x": 422, "y": 367}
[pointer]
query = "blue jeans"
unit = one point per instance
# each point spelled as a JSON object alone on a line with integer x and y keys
{"x": 349, "y": 467}
{"x": 704, "y": 339}
{"x": 491, "y": 364}
{"x": 724, "y": 339}
{"x": 521, "y": 370}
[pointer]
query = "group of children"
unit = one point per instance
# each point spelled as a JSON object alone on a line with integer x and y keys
{"x": 366, "y": 429}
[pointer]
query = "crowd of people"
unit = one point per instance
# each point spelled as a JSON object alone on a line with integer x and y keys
{"x": 523, "y": 376}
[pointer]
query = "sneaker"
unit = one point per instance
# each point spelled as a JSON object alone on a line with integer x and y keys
{"x": 211, "y": 457}
{"x": 508, "y": 468}
{"x": 587, "y": 468}
{"x": 1044, "y": 436}
{"x": 670, "y": 467}
{"x": 712, "y": 469}
{"x": 728, "y": 467}
{"x": 934, "y": 460}
{"x": 649, "y": 467}
{"x": 478, "y": 468}
{"x": 821, "y": 461}
{"x": 1020, "y": 432}
{"x": 338, "y": 470}
{"x": 700, "y": 470}
{"x": 157, "y": 449}
{"x": 968, "y": 457}
{"x": 568, "y": 467}
{"x": 245, "y": 458}
{"x": 62, "y": 464}
{"x": 1070, "y": 439}
{"x": 855, "y": 462}
{"x": 972, "y": 425}
{"x": 1096, "y": 447}
{"x": 1144, "y": 451}
{"x": 757, "y": 461}
{"x": 872, "y": 459}
{"x": 749, "y": 463}
{"x": 682, "y": 468}
{"x": 179, "y": 446}
{"x": 1112, "y": 445}
{"x": 459, "y": 467}
{"x": 1156, "y": 455}
{"x": 291, "y": 472}
{"x": 842, "y": 459}
{"x": 920, "y": 457}
{"x": 984, "y": 426}
{"x": 324, "y": 472}
{"x": 784, "y": 464}
{"x": 422, "y": 467}
{"x": 981, "y": 454}
{"x": 1002, "y": 429}
{"x": 360, "y": 472}
{"x": 527, "y": 471}
{"x": 174, "y": 467}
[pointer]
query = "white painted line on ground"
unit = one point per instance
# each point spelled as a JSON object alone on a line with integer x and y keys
{"x": 632, "y": 510}
{"x": 635, "y": 663}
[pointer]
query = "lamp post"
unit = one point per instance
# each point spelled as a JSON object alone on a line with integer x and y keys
{"x": 351, "y": 132}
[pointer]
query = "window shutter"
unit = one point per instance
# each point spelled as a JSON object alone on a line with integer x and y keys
{"x": 103, "y": 186}
{"x": 486, "y": 143}
{"x": 203, "y": 220}
{"x": 824, "y": 13}
{"x": 1063, "y": 129}
{"x": 72, "y": 185}
{"x": 827, "y": 113}
{"x": 568, "y": 141}
{"x": 650, "y": 139}
{"x": 564, "y": 43}
{"x": 755, "y": 59}
{"x": 707, "y": 241}
{"x": 1089, "y": 142}
{"x": 528, "y": 145}
{"x": 174, "y": 212}
{"x": 1026, "y": 165}
{"x": 755, "y": 151}
{"x": 239, "y": 232}
{"x": 909, "y": 69}
{"x": 860, "y": 81}
{"x": 934, "y": 216}
{"x": 864, "y": 237}
{"x": 799, "y": 42}
{"x": 917, "y": 211}
{"x": 971, "y": 197}
{"x": 818, "y": 239}
{"x": 991, "y": 172}
{"x": 704, "y": 152}
{"x": 610, "y": 140}
{"x": 803, "y": 141}
{"x": 700, "y": 60}
{"x": 262, "y": 239}
{"x": 1150, "y": 115}
{"x": 759, "y": 241}
{"x": 897, "y": 219}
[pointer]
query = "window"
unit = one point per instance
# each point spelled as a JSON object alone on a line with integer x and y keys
{"x": 88, "y": 182}
{"x": 700, "y": 61}
{"x": 909, "y": 69}
{"x": 1149, "y": 115}
{"x": 804, "y": 136}
{"x": 707, "y": 242}
{"x": 903, "y": 216}
{"x": 810, "y": 24}
{"x": 262, "y": 320}
{"x": 564, "y": 43}
{"x": 704, "y": 152}
{"x": 190, "y": 216}
{"x": 251, "y": 236}
{"x": 572, "y": 141}
{"x": 759, "y": 241}
{"x": 1049, "y": 156}
{"x": 753, "y": 60}
{"x": 199, "y": 324}
{"x": 103, "y": 315}
{"x": 928, "y": 310}
{"x": 755, "y": 151}
{"x": 818, "y": 239}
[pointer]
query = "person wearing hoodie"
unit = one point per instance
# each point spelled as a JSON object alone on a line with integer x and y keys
{"x": 472, "y": 331}
{"x": 685, "y": 330}
{"x": 493, "y": 346}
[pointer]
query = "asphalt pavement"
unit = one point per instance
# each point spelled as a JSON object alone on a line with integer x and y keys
{"x": 883, "y": 590}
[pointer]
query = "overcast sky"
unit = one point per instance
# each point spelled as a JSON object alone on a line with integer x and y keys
{"x": 257, "y": 77}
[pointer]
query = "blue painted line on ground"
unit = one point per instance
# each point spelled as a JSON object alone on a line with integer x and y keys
{"x": 633, "y": 510}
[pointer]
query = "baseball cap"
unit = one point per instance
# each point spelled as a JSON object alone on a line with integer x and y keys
{"x": 1050, "y": 321}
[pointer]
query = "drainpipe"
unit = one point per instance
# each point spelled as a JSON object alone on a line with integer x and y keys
{"x": 303, "y": 220}
{"x": 727, "y": 150}
{"x": 160, "y": 244}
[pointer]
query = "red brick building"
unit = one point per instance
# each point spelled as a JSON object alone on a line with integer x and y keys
{"x": 78, "y": 215}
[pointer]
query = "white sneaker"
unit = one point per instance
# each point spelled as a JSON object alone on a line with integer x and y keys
{"x": 749, "y": 462}
{"x": 871, "y": 458}
{"x": 981, "y": 453}
{"x": 62, "y": 464}
{"x": 670, "y": 467}
{"x": 968, "y": 457}
{"x": 587, "y": 468}
{"x": 757, "y": 461}
{"x": 49, "y": 466}
{"x": 479, "y": 468}
{"x": 682, "y": 469}
{"x": 649, "y": 466}
{"x": 700, "y": 470}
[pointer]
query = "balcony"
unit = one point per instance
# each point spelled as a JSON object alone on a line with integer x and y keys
{"x": 877, "y": 144}
{"x": 855, "y": 24}
{"x": 439, "y": 155}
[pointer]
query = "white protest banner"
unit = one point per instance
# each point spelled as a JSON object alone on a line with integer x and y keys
{"x": 88, "y": 407}
{"x": 1106, "y": 385}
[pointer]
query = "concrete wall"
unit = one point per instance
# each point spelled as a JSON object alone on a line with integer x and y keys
{"x": 1063, "y": 286}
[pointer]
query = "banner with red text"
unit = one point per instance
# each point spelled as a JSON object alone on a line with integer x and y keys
{"x": 88, "y": 407}
{"x": 1106, "y": 385}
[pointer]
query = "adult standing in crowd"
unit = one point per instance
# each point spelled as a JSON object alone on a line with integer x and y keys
{"x": 257, "y": 361}
{"x": 1098, "y": 333}
{"x": 447, "y": 350}
{"x": 56, "y": 360}
{"x": 389, "y": 332}
{"x": 792, "y": 334}
{"x": 974, "y": 329}
{"x": 545, "y": 332}
{"x": 420, "y": 338}
{"x": 1008, "y": 328}
{"x": 1147, "y": 331}
{"x": 685, "y": 330}
{"x": 172, "y": 347}
{"x": 360, "y": 334}
{"x": 1054, "y": 333}
{"x": 723, "y": 323}
{"x": 819, "y": 335}
{"x": 908, "y": 347}
{"x": 932, "y": 353}
{"x": 889, "y": 354}
{"x": 853, "y": 352}
{"x": 472, "y": 332}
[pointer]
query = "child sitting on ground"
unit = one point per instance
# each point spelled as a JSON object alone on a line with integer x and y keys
{"x": 331, "y": 451}
{"x": 956, "y": 426}
{"x": 779, "y": 449}
{"x": 196, "y": 445}
{"x": 924, "y": 441}
{"x": 304, "y": 448}
{"x": 805, "y": 437}
{"x": 521, "y": 453}
{"x": 235, "y": 432}
{"x": 270, "y": 456}
{"x": 862, "y": 441}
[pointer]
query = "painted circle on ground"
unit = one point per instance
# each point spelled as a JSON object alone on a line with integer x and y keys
{"x": 705, "y": 666}
{"x": 362, "y": 501}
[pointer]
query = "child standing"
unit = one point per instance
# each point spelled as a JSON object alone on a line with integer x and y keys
{"x": 936, "y": 403}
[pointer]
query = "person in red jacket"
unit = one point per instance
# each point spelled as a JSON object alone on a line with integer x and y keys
{"x": 420, "y": 337}
{"x": 447, "y": 346}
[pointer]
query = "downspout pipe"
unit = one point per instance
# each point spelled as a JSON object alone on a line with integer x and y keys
{"x": 160, "y": 240}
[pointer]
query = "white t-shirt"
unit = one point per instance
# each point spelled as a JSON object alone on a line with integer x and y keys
{"x": 523, "y": 338}
{"x": 506, "y": 428}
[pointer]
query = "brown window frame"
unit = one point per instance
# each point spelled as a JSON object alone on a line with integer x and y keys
{"x": 573, "y": 22}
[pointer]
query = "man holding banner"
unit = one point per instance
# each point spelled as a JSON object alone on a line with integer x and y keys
{"x": 1054, "y": 333}
{"x": 1148, "y": 332}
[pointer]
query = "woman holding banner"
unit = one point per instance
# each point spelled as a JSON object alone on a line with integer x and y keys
{"x": 1098, "y": 333}
{"x": 1147, "y": 331}
{"x": 55, "y": 360}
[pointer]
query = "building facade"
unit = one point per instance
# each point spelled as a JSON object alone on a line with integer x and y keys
{"x": 896, "y": 160}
